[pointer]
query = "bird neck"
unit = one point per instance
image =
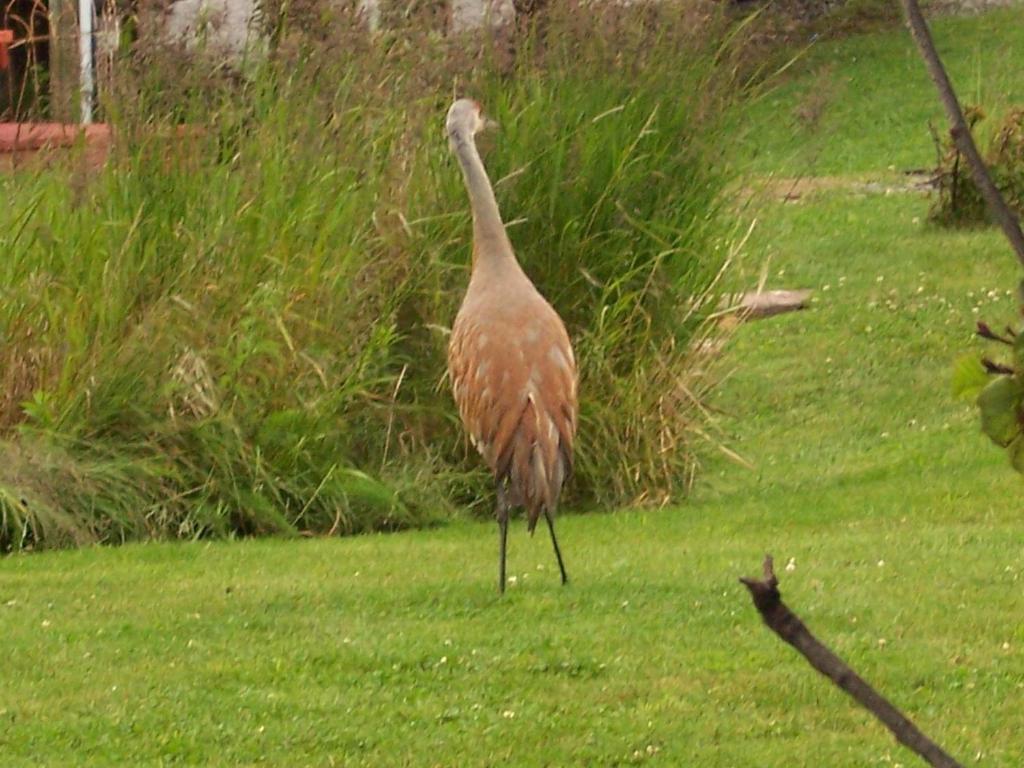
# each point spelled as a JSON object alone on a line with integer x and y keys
{"x": 490, "y": 241}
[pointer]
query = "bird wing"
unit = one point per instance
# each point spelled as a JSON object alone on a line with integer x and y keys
{"x": 514, "y": 380}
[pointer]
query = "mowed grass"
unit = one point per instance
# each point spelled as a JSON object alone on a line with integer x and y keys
{"x": 396, "y": 651}
{"x": 902, "y": 525}
{"x": 863, "y": 104}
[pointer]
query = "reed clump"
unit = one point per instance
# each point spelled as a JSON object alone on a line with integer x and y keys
{"x": 242, "y": 331}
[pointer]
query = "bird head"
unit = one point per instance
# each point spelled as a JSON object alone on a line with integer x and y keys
{"x": 466, "y": 119}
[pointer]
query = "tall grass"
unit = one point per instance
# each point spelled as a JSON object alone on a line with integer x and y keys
{"x": 242, "y": 331}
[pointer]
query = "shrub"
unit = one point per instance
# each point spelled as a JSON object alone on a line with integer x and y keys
{"x": 244, "y": 332}
{"x": 958, "y": 202}
{"x": 1006, "y": 153}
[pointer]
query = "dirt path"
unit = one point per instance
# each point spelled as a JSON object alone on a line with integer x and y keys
{"x": 795, "y": 189}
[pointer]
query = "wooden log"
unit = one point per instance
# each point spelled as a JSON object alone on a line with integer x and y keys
{"x": 758, "y": 304}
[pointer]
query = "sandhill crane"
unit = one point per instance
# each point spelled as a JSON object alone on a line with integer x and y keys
{"x": 510, "y": 361}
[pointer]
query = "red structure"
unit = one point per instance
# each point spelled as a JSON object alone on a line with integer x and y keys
{"x": 6, "y": 38}
{"x": 21, "y": 143}
{"x": 22, "y": 137}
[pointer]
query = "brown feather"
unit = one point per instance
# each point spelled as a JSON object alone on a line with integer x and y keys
{"x": 514, "y": 379}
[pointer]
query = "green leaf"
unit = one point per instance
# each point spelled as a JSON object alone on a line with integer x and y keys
{"x": 969, "y": 377}
{"x": 999, "y": 403}
{"x": 1016, "y": 451}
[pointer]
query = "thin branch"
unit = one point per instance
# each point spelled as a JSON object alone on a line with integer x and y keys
{"x": 985, "y": 332}
{"x": 788, "y": 626}
{"x": 960, "y": 131}
{"x": 996, "y": 368}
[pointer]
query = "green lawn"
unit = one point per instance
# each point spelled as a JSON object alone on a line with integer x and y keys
{"x": 863, "y": 104}
{"x": 902, "y": 524}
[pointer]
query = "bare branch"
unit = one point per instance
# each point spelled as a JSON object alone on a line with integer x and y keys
{"x": 789, "y": 627}
{"x": 997, "y": 368}
{"x": 985, "y": 332}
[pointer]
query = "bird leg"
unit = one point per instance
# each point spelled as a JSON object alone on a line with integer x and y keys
{"x": 554, "y": 542}
{"x": 502, "y": 514}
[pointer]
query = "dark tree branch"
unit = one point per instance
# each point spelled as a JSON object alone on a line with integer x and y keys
{"x": 960, "y": 132}
{"x": 993, "y": 367}
{"x": 987, "y": 333}
{"x": 788, "y": 626}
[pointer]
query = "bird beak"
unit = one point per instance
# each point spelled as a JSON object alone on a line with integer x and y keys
{"x": 490, "y": 125}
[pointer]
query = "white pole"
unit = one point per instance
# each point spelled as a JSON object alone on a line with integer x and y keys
{"x": 370, "y": 11}
{"x": 85, "y": 58}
